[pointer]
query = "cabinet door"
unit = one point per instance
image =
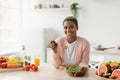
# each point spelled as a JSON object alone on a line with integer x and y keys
{"x": 49, "y": 55}
{"x": 112, "y": 57}
{"x": 96, "y": 60}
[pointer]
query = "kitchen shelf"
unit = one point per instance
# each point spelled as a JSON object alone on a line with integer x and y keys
{"x": 53, "y": 9}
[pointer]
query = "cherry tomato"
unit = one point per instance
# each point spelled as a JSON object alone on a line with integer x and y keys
{"x": 4, "y": 65}
{"x": 32, "y": 65}
{"x": 35, "y": 68}
{"x": 27, "y": 68}
{"x": 2, "y": 60}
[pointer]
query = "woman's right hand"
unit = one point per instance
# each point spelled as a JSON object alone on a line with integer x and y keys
{"x": 54, "y": 45}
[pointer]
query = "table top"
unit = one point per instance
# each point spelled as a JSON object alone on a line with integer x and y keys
{"x": 46, "y": 72}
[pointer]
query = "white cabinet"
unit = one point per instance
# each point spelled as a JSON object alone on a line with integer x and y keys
{"x": 109, "y": 55}
{"x": 96, "y": 57}
{"x": 95, "y": 60}
{"x": 49, "y": 55}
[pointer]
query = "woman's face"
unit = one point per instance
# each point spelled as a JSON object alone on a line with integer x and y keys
{"x": 70, "y": 28}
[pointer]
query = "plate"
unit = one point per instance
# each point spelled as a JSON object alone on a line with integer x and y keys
{"x": 11, "y": 70}
{"x": 102, "y": 78}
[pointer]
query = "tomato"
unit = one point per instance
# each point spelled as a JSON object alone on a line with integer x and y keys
{"x": 32, "y": 65}
{"x": 0, "y": 64}
{"x": 2, "y": 59}
{"x": 4, "y": 65}
{"x": 27, "y": 68}
{"x": 35, "y": 68}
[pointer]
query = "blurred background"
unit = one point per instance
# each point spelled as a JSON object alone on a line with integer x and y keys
{"x": 34, "y": 23}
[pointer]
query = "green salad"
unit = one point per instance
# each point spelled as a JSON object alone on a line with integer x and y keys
{"x": 72, "y": 69}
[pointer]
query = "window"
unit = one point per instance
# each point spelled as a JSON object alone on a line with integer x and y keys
{"x": 10, "y": 24}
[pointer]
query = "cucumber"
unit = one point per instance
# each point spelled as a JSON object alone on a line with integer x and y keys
{"x": 111, "y": 77}
{"x": 107, "y": 75}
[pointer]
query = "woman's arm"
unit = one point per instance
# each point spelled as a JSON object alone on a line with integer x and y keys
{"x": 56, "y": 54}
{"x": 56, "y": 60}
{"x": 85, "y": 56}
{"x": 84, "y": 63}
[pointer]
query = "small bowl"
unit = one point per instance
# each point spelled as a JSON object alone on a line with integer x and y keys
{"x": 75, "y": 74}
{"x": 73, "y": 71}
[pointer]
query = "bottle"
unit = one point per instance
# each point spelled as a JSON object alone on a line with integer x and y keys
{"x": 26, "y": 61}
{"x": 29, "y": 60}
{"x": 24, "y": 56}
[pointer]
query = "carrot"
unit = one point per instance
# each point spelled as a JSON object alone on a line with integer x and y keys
{"x": 65, "y": 46}
{"x": 12, "y": 66}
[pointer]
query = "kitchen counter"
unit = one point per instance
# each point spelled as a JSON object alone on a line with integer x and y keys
{"x": 108, "y": 51}
{"x": 107, "y": 54}
{"x": 46, "y": 72}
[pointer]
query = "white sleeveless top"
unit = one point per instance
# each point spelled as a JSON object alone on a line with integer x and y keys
{"x": 70, "y": 53}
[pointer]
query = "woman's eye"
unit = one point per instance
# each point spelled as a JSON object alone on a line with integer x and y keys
{"x": 70, "y": 27}
{"x": 65, "y": 27}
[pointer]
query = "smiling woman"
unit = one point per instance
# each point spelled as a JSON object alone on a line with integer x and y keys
{"x": 77, "y": 48}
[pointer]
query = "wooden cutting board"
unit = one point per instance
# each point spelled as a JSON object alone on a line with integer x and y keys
{"x": 10, "y": 69}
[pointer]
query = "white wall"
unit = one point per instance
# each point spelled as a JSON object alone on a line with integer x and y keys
{"x": 32, "y": 36}
{"x": 98, "y": 20}
{"x": 10, "y": 26}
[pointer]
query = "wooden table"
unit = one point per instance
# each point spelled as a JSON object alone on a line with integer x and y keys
{"x": 46, "y": 72}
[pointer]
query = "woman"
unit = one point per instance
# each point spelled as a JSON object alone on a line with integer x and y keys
{"x": 71, "y": 49}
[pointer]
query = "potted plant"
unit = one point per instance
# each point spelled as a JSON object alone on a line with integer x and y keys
{"x": 74, "y": 9}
